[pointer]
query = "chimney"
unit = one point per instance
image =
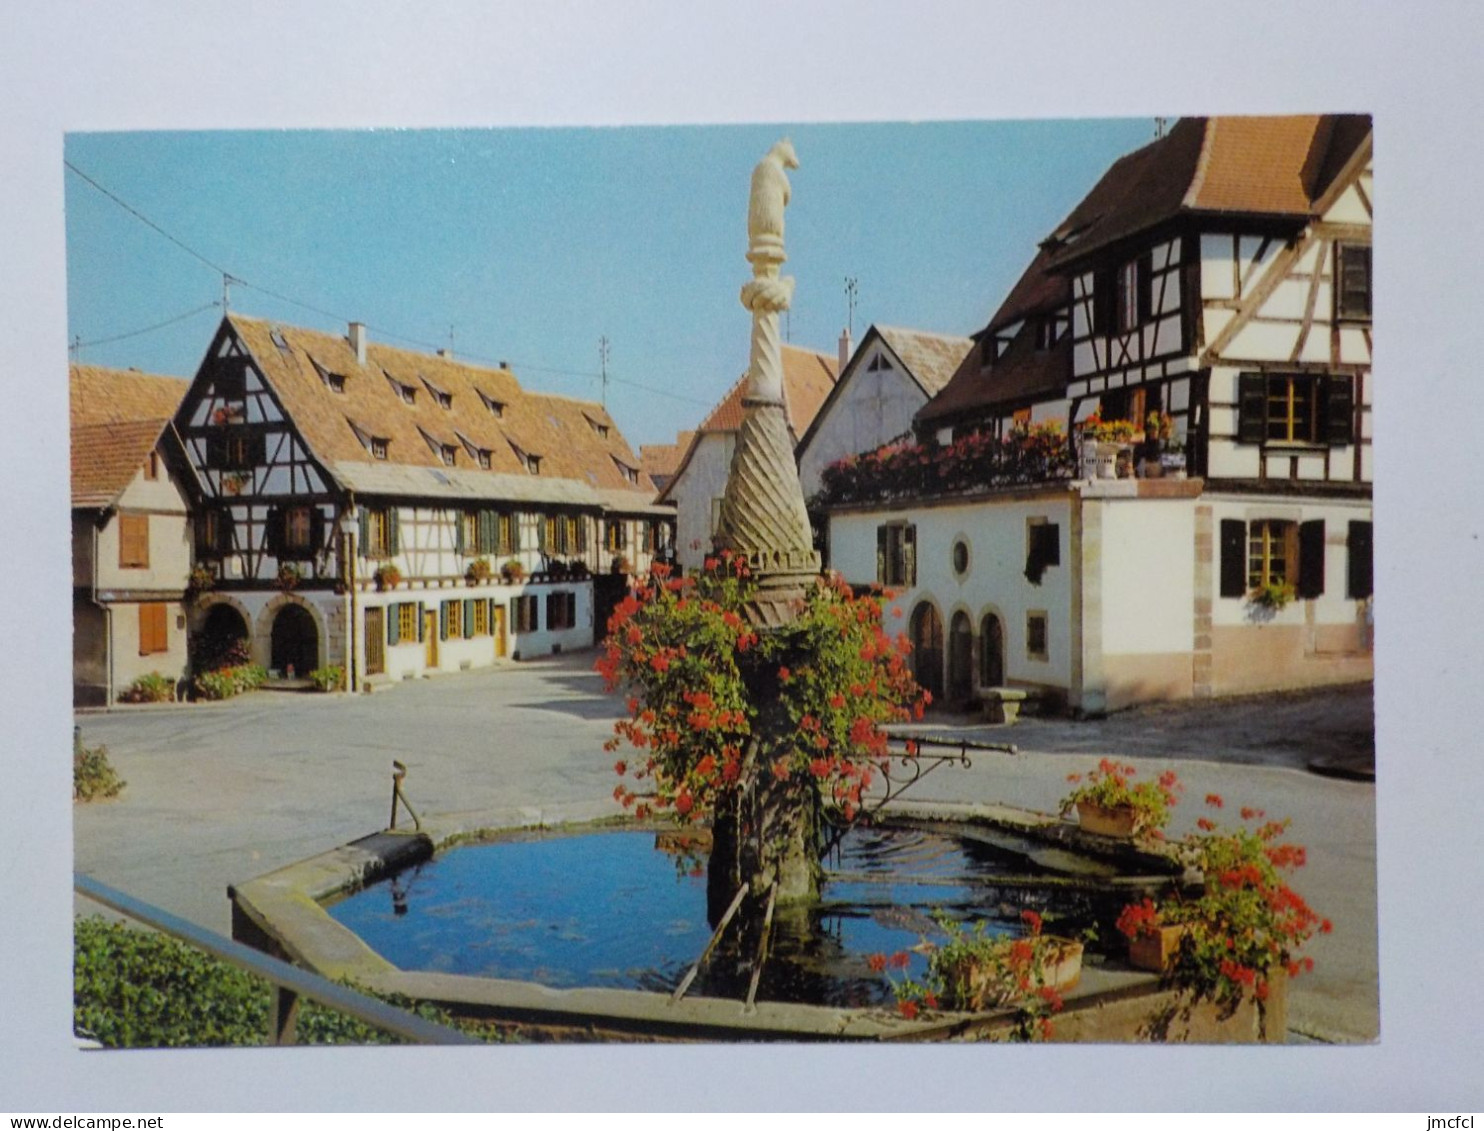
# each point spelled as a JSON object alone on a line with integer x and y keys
{"x": 845, "y": 348}
{"x": 504, "y": 364}
{"x": 358, "y": 341}
{"x": 443, "y": 351}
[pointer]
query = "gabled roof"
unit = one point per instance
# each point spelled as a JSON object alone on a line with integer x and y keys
{"x": 118, "y": 416}
{"x": 662, "y": 461}
{"x": 929, "y": 359}
{"x": 1022, "y": 374}
{"x": 454, "y": 404}
{"x": 808, "y": 377}
{"x": 1275, "y": 167}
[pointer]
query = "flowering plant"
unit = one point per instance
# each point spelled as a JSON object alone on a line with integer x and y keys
{"x": 1109, "y": 431}
{"x": 387, "y": 576}
{"x": 974, "y": 971}
{"x": 1109, "y": 787}
{"x": 479, "y": 571}
{"x": 512, "y": 571}
{"x": 202, "y": 579}
{"x": 1274, "y": 595}
{"x": 685, "y": 647}
{"x": 289, "y": 576}
{"x": 1247, "y": 924}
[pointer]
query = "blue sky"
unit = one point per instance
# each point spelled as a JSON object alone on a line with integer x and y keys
{"x": 531, "y": 244}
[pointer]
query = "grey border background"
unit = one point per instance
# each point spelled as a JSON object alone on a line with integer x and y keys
{"x": 76, "y": 66}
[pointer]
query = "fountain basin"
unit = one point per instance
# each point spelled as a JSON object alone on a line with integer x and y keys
{"x": 286, "y": 913}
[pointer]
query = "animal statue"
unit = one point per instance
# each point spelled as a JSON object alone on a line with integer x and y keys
{"x": 770, "y": 194}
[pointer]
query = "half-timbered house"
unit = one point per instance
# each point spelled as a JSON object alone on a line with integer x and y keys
{"x": 400, "y": 513}
{"x": 1214, "y": 285}
{"x": 131, "y": 544}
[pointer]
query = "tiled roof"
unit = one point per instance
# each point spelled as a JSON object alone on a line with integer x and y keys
{"x": 664, "y": 459}
{"x": 573, "y": 439}
{"x": 808, "y": 377}
{"x": 930, "y": 358}
{"x": 117, "y": 418}
{"x": 1251, "y": 166}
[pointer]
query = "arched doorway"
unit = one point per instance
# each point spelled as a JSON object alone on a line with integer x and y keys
{"x": 927, "y": 648}
{"x": 221, "y": 641}
{"x": 295, "y": 649}
{"x": 991, "y": 651}
{"x": 960, "y": 660}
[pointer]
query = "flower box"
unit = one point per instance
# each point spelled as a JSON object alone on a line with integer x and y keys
{"x": 1120, "y": 821}
{"x": 984, "y": 981}
{"x": 1154, "y": 948}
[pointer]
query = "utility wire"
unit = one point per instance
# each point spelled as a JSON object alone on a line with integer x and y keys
{"x": 339, "y": 317}
{"x": 147, "y": 329}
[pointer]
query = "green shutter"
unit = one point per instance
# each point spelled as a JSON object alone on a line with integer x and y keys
{"x": 909, "y": 555}
{"x": 393, "y": 532}
{"x": 443, "y": 619}
{"x": 393, "y": 624}
{"x": 421, "y": 622}
{"x": 1233, "y": 557}
{"x": 458, "y": 533}
{"x": 1251, "y": 408}
{"x": 468, "y": 619}
{"x": 1311, "y": 559}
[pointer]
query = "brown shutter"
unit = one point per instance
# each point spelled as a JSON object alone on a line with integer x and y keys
{"x": 1233, "y": 557}
{"x": 133, "y": 541}
{"x": 1339, "y": 409}
{"x": 1104, "y": 301}
{"x": 1311, "y": 559}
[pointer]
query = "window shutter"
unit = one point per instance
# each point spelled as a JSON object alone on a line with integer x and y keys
{"x": 468, "y": 619}
{"x": 1233, "y": 557}
{"x": 393, "y": 532}
{"x": 216, "y": 450}
{"x": 393, "y": 624}
{"x": 1359, "y": 580}
{"x": 273, "y": 532}
{"x": 909, "y": 555}
{"x": 1251, "y": 408}
{"x": 443, "y": 609}
{"x": 1311, "y": 559}
{"x": 1146, "y": 289}
{"x": 881, "y": 554}
{"x": 541, "y": 534}
{"x": 1104, "y": 301}
{"x": 485, "y": 542}
{"x": 422, "y": 622}
{"x": 364, "y": 525}
{"x": 458, "y": 533}
{"x": 1339, "y": 409}
{"x": 316, "y": 529}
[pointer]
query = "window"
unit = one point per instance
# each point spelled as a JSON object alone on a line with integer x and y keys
{"x": 451, "y": 619}
{"x": 154, "y": 629}
{"x": 405, "y": 393}
{"x": 630, "y": 474}
{"x": 213, "y": 533}
{"x": 481, "y": 617}
{"x": 533, "y": 464}
{"x": 1295, "y": 408}
{"x": 1359, "y": 581}
{"x": 378, "y": 447}
{"x": 497, "y": 408}
{"x": 447, "y": 454}
{"x": 1270, "y": 550}
{"x": 378, "y": 532}
{"x": 615, "y": 535}
{"x": 1042, "y": 548}
{"x": 235, "y": 449}
{"x": 561, "y": 610}
{"x": 133, "y": 541}
{"x": 646, "y": 537}
{"x": 482, "y": 457}
{"x": 1353, "y": 289}
{"x": 1036, "y": 647}
{"x": 1121, "y": 297}
{"x": 298, "y": 529}
{"x": 960, "y": 557}
{"x": 406, "y": 623}
{"x": 152, "y": 465}
{"x": 896, "y": 554}
{"x": 525, "y": 609}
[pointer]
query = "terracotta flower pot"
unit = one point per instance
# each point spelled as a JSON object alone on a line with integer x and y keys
{"x": 1155, "y": 948}
{"x": 1119, "y": 821}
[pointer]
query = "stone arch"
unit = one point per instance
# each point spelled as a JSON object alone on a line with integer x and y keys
{"x": 992, "y": 650}
{"x": 925, "y": 630}
{"x": 960, "y": 658}
{"x": 218, "y": 623}
{"x": 300, "y": 639}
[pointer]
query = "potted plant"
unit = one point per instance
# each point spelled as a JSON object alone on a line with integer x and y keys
{"x": 289, "y": 576}
{"x": 387, "y": 576}
{"x": 1272, "y": 595}
{"x": 621, "y": 564}
{"x": 202, "y": 579}
{"x": 479, "y": 571}
{"x": 512, "y": 571}
{"x": 1108, "y": 803}
{"x": 1242, "y": 933}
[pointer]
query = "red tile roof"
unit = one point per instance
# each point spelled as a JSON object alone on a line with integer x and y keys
{"x": 574, "y": 439}
{"x": 118, "y": 416}
{"x": 808, "y": 377}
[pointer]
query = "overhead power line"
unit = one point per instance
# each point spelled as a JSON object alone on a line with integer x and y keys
{"x": 231, "y": 277}
{"x": 147, "y": 329}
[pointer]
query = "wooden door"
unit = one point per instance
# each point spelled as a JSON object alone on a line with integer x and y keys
{"x": 927, "y": 649}
{"x": 375, "y": 641}
{"x": 497, "y": 626}
{"x": 430, "y": 637}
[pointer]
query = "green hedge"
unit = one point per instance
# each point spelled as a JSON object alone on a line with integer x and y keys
{"x": 136, "y": 989}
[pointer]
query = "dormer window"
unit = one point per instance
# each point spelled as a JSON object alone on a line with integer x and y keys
{"x": 443, "y": 398}
{"x": 629, "y": 473}
{"x": 480, "y": 456}
{"x": 447, "y": 453}
{"x": 378, "y": 447}
{"x": 334, "y": 381}
{"x": 405, "y": 393}
{"x": 597, "y": 426}
{"x": 531, "y": 463}
{"x": 497, "y": 408}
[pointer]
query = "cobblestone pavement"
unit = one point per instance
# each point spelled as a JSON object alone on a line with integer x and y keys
{"x": 219, "y": 793}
